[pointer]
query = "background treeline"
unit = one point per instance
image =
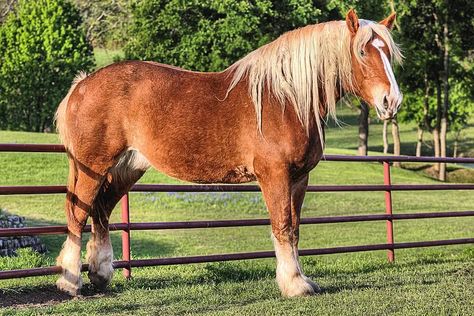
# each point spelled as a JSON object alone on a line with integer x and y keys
{"x": 44, "y": 43}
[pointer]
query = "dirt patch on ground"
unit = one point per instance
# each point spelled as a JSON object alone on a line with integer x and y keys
{"x": 31, "y": 297}
{"x": 40, "y": 296}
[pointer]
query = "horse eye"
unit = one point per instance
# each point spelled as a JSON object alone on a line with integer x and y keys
{"x": 362, "y": 53}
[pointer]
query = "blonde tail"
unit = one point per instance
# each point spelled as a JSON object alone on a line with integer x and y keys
{"x": 60, "y": 116}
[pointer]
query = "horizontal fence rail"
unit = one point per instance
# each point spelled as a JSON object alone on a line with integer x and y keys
{"x": 55, "y": 189}
{"x": 238, "y": 256}
{"x": 126, "y": 226}
{"x": 50, "y": 230}
{"x": 51, "y": 148}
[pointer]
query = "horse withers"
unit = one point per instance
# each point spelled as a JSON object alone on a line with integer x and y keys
{"x": 260, "y": 119}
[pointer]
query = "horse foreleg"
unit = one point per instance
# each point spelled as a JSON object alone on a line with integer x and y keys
{"x": 298, "y": 191}
{"x": 78, "y": 205}
{"x": 283, "y": 198}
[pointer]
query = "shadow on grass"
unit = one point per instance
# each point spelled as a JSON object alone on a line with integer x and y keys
{"x": 41, "y": 295}
{"x": 409, "y": 148}
{"x": 45, "y": 295}
{"x": 217, "y": 273}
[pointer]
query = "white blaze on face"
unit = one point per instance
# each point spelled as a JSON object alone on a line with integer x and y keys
{"x": 395, "y": 97}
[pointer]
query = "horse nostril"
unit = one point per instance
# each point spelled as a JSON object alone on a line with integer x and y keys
{"x": 385, "y": 102}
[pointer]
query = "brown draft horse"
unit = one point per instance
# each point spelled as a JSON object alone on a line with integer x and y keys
{"x": 261, "y": 119}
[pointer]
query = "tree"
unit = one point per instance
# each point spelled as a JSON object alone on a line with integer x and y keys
{"x": 438, "y": 35}
{"x": 6, "y": 6}
{"x": 210, "y": 35}
{"x": 43, "y": 46}
{"x": 461, "y": 109}
{"x": 106, "y": 21}
{"x": 363, "y": 129}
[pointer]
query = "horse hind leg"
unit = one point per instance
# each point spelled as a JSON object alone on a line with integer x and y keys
{"x": 129, "y": 169}
{"x": 83, "y": 185}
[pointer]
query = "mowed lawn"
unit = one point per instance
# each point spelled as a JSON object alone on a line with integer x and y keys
{"x": 426, "y": 281}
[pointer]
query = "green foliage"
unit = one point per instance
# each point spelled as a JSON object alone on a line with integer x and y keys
{"x": 461, "y": 106}
{"x": 43, "y": 46}
{"x": 375, "y": 10}
{"x": 210, "y": 35}
{"x": 421, "y": 37}
{"x": 25, "y": 258}
{"x": 460, "y": 109}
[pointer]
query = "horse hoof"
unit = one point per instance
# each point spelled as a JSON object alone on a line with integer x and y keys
{"x": 98, "y": 280}
{"x": 69, "y": 287}
{"x": 314, "y": 285}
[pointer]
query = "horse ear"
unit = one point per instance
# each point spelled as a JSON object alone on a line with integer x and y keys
{"x": 352, "y": 21}
{"x": 389, "y": 21}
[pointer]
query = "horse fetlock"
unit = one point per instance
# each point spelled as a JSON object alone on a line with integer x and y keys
{"x": 100, "y": 281}
{"x": 298, "y": 285}
{"x": 99, "y": 257}
{"x": 70, "y": 261}
{"x": 313, "y": 284}
{"x": 101, "y": 274}
{"x": 69, "y": 283}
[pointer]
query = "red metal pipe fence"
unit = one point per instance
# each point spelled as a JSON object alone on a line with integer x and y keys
{"x": 388, "y": 210}
{"x": 126, "y": 226}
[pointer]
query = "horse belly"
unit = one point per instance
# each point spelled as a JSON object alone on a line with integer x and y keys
{"x": 195, "y": 156}
{"x": 205, "y": 170}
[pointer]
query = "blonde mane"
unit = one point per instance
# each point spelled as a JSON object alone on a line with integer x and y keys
{"x": 301, "y": 64}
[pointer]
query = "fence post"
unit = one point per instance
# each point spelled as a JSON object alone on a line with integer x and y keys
{"x": 388, "y": 209}
{"x": 126, "y": 236}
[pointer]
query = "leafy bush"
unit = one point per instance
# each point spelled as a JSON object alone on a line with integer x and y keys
{"x": 43, "y": 46}
{"x": 25, "y": 258}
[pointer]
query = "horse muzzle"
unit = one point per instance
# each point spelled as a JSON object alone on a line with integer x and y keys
{"x": 389, "y": 106}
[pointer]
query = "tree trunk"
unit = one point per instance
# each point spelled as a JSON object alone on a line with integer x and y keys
{"x": 384, "y": 136}
{"x": 442, "y": 141}
{"x": 436, "y": 146}
{"x": 419, "y": 141}
{"x": 456, "y": 144}
{"x": 363, "y": 129}
{"x": 396, "y": 140}
{"x": 444, "y": 117}
{"x": 426, "y": 104}
{"x": 437, "y": 127}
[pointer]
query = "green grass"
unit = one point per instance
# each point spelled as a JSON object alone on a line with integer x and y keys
{"x": 432, "y": 281}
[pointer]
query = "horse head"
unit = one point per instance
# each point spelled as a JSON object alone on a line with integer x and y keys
{"x": 372, "y": 74}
